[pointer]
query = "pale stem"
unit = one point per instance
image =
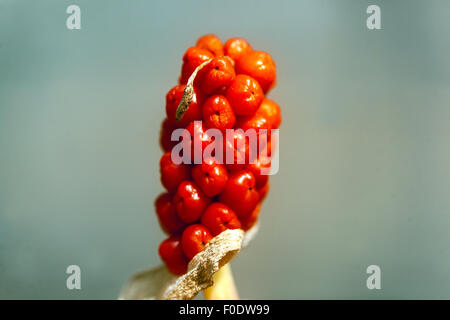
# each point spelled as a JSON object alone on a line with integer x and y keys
{"x": 223, "y": 287}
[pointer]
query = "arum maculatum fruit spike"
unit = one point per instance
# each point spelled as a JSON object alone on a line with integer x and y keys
{"x": 224, "y": 87}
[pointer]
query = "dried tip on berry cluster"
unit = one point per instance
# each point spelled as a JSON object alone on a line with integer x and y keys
{"x": 188, "y": 93}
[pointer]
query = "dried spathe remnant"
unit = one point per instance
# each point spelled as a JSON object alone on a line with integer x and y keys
{"x": 159, "y": 283}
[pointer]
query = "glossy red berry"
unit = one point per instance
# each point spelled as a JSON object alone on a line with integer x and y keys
{"x": 190, "y": 202}
{"x": 261, "y": 126}
{"x": 240, "y": 194}
{"x": 245, "y": 95}
{"x": 212, "y": 43}
{"x": 218, "y": 218}
{"x": 217, "y": 113}
{"x": 235, "y": 48}
{"x": 260, "y": 170}
{"x": 173, "y": 99}
{"x": 193, "y": 57}
{"x": 260, "y": 66}
{"x": 165, "y": 135}
{"x": 194, "y": 239}
{"x": 238, "y": 150}
{"x": 172, "y": 174}
{"x": 251, "y": 219}
{"x": 271, "y": 111}
{"x": 171, "y": 252}
{"x": 198, "y": 132}
{"x": 217, "y": 75}
{"x": 167, "y": 217}
{"x": 210, "y": 176}
{"x": 256, "y": 121}
{"x": 265, "y": 146}
{"x": 263, "y": 191}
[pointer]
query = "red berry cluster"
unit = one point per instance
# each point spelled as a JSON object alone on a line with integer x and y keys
{"x": 205, "y": 199}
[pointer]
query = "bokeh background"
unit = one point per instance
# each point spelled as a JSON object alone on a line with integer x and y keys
{"x": 364, "y": 157}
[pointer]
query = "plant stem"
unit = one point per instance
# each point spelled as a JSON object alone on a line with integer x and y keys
{"x": 223, "y": 287}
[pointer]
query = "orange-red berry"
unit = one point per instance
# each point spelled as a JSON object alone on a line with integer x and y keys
{"x": 263, "y": 191}
{"x": 193, "y": 57}
{"x": 271, "y": 111}
{"x": 172, "y": 174}
{"x": 237, "y": 152}
{"x": 217, "y": 75}
{"x": 165, "y": 135}
{"x": 212, "y": 43}
{"x": 259, "y": 65}
{"x": 198, "y": 132}
{"x": 218, "y": 218}
{"x": 194, "y": 239}
{"x": 240, "y": 194}
{"x": 245, "y": 95}
{"x": 190, "y": 202}
{"x": 218, "y": 113}
{"x": 251, "y": 220}
{"x": 256, "y": 121}
{"x": 171, "y": 252}
{"x": 235, "y": 48}
{"x": 168, "y": 219}
{"x": 211, "y": 176}
{"x": 261, "y": 177}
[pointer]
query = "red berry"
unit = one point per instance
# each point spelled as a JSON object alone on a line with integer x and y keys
{"x": 271, "y": 111}
{"x": 238, "y": 146}
{"x": 256, "y": 121}
{"x": 198, "y": 132}
{"x": 173, "y": 99}
{"x": 212, "y": 43}
{"x": 240, "y": 194}
{"x": 194, "y": 239}
{"x": 261, "y": 125}
{"x": 190, "y": 202}
{"x": 251, "y": 220}
{"x": 235, "y": 48}
{"x": 167, "y": 216}
{"x": 172, "y": 174}
{"x": 265, "y": 148}
{"x": 263, "y": 191}
{"x": 217, "y": 113}
{"x": 210, "y": 176}
{"x": 217, "y": 75}
{"x": 218, "y": 218}
{"x": 245, "y": 95}
{"x": 262, "y": 163}
{"x": 165, "y": 135}
{"x": 171, "y": 252}
{"x": 259, "y": 65}
{"x": 193, "y": 57}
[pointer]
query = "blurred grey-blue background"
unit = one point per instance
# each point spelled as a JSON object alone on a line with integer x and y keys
{"x": 364, "y": 157}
